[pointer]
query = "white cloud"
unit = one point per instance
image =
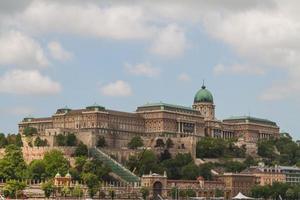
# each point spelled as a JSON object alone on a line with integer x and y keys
{"x": 28, "y": 82}
{"x": 184, "y": 77}
{"x": 143, "y": 69}
{"x": 170, "y": 42}
{"x": 58, "y": 52}
{"x": 20, "y": 50}
{"x": 89, "y": 19}
{"x": 238, "y": 69}
{"x": 118, "y": 88}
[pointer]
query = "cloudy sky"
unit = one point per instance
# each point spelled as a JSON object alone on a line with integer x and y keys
{"x": 122, "y": 54}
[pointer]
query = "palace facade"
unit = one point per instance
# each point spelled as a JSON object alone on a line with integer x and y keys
{"x": 185, "y": 125}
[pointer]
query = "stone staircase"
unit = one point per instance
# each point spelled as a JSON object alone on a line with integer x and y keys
{"x": 119, "y": 170}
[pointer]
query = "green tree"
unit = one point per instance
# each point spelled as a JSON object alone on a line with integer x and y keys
{"x": 135, "y": 142}
{"x": 219, "y": 193}
{"x": 112, "y": 193}
{"x": 30, "y": 131}
{"x": 65, "y": 191}
{"x": 60, "y": 140}
{"x": 81, "y": 150}
{"x": 3, "y": 140}
{"x": 77, "y": 191}
{"x": 13, "y": 189}
{"x": 101, "y": 142}
{"x": 165, "y": 155}
{"x": 55, "y": 162}
{"x": 169, "y": 143}
{"x": 48, "y": 188}
{"x": 91, "y": 181}
{"x": 205, "y": 171}
{"x": 190, "y": 171}
{"x": 209, "y": 147}
{"x": 79, "y": 162}
{"x": 38, "y": 142}
{"x": 71, "y": 139}
{"x": 13, "y": 166}
{"x": 37, "y": 170}
{"x": 190, "y": 193}
{"x": 145, "y": 192}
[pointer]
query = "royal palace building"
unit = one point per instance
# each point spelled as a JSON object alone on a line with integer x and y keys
{"x": 151, "y": 121}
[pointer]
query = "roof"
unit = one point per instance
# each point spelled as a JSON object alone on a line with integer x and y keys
{"x": 289, "y": 168}
{"x": 95, "y": 106}
{"x": 203, "y": 95}
{"x": 163, "y": 106}
{"x": 249, "y": 119}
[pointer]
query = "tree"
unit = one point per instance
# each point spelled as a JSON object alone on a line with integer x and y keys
{"x": 13, "y": 188}
{"x": 13, "y": 166}
{"x": 60, "y": 140}
{"x": 55, "y": 162}
{"x": 160, "y": 143}
{"x": 65, "y": 191}
{"x": 190, "y": 193}
{"x": 234, "y": 166}
{"x": 205, "y": 171}
{"x": 210, "y": 147}
{"x": 145, "y": 192}
{"x": 79, "y": 162}
{"x": 135, "y": 142}
{"x": 77, "y": 191}
{"x": 219, "y": 193}
{"x": 71, "y": 140}
{"x": 165, "y": 155}
{"x": 37, "y": 170}
{"x": 190, "y": 171}
{"x": 81, "y": 150}
{"x": 38, "y": 142}
{"x": 112, "y": 193}
{"x": 30, "y": 131}
{"x": 91, "y": 181}
{"x": 101, "y": 142}
{"x": 169, "y": 143}
{"x": 3, "y": 140}
{"x": 48, "y": 188}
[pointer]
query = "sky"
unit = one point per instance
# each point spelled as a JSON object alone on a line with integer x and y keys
{"x": 123, "y": 54}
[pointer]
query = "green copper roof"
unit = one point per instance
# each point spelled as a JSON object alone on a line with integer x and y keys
{"x": 250, "y": 119}
{"x": 95, "y": 106}
{"x": 203, "y": 95}
{"x": 165, "y": 105}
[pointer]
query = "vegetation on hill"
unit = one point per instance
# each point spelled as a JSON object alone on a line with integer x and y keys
{"x": 285, "y": 190}
{"x": 135, "y": 142}
{"x": 66, "y": 140}
{"x": 209, "y": 147}
{"x": 10, "y": 139}
{"x": 180, "y": 167}
{"x": 283, "y": 151}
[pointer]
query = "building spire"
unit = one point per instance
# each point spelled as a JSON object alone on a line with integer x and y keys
{"x": 203, "y": 84}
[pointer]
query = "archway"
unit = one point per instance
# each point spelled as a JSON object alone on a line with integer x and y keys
{"x": 157, "y": 189}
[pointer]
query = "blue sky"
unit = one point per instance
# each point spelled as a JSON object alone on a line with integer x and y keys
{"x": 122, "y": 55}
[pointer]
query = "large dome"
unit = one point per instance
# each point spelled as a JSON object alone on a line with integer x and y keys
{"x": 203, "y": 95}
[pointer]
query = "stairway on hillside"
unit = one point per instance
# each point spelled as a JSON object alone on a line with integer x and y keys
{"x": 115, "y": 166}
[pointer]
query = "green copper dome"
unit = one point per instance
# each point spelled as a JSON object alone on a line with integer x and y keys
{"x": 203, "y": 95}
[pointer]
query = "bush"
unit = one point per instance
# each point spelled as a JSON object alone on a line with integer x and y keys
{"x": 48, "y": 188}
{"x": 101, "y": 142}
{"x": 13, "y": 189}
{"x": 81, "y": 150}
{"x": 30, "y": 131}
{"x": 135, "y": 142}
{"x": 38, "y": 142}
